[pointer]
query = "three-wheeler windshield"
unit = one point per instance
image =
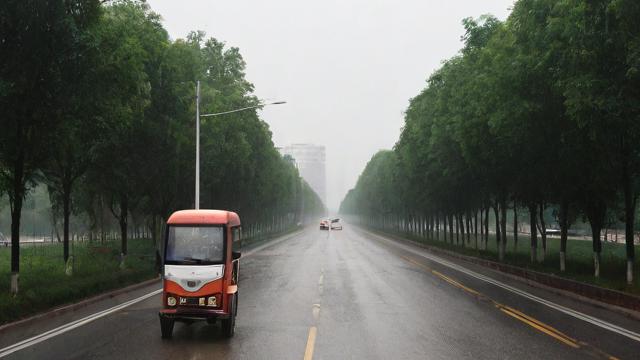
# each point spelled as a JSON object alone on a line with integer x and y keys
{"x": 187, "y": 245}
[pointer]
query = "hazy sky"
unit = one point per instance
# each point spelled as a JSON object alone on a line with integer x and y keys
{"x": 347, "y": 69}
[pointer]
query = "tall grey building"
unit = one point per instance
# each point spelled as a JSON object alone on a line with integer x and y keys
{"x": 310, "y": 160}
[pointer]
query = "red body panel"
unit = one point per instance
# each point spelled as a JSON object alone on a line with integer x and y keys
{"x": 204, "y": 217}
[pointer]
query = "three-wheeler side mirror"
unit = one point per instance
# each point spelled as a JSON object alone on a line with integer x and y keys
{"x": 235, "y": 255}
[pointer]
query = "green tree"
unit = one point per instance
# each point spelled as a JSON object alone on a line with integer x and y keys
{"x": 129, "y": 38}
{"x": 39, "y": 43}
{"x": 601, "y": 86}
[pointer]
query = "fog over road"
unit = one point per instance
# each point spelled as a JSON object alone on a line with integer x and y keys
{"x": 349, "y": 294}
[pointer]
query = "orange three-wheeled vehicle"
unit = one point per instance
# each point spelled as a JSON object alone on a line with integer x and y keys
{"x": 200, "y": 279}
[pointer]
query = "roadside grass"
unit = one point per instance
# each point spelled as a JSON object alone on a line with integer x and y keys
{"x": 579, "y": 258}
{"x": 44, "y": 285}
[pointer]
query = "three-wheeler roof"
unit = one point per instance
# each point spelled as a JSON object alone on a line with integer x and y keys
{"x": 208, "y": 217}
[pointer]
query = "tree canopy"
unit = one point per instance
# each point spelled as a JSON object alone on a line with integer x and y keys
{"x": 98, "y": 103}
{"x": 538, "y": 111}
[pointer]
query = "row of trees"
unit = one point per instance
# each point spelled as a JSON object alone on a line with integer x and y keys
{"x": 540, "y": 110}
{"x": 98, "y": 104}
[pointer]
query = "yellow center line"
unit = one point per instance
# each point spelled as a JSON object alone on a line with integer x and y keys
{"x": 442, "y": 276}
{"x": 311, "y": 341}
{"x": 539, "y": 323}
{"x": 455, "y": 283}
{"x": 313, "y": 331}
{"x": 544, "y": 329}
{"x": 518, "y": 315}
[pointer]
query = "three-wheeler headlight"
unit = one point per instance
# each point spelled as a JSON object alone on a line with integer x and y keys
{"x": 171, "y": 301}
{"x": 212, "y": 301}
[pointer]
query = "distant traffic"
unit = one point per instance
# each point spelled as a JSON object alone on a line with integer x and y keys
{"x": 330, "y": 224}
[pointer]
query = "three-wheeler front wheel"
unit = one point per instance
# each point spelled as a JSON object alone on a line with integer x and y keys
{"x": 166, "y": 327}
{"x": 229, "y": 325}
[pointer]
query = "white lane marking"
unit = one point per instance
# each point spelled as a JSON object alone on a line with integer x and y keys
{"x": 321, "y": 284}
{"x": 576, "y": 314}
{"x": 77, "y": 323}
{"x": 72, "y": 325}
{"x": 316, "y": 311}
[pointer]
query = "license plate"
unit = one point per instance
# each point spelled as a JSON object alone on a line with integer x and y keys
{"x": 188, "y": 301}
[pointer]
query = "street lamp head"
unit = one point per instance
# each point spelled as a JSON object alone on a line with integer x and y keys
{"x": 278, "y": 102}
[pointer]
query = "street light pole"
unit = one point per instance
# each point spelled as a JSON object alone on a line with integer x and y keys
{"x": 244, "y": 108}
{"x": 197, "y": 198}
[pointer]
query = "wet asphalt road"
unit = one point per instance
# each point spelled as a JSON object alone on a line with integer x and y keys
{"x": 347, "y": 295}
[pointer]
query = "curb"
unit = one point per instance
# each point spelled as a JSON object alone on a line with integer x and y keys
{"x": 75, "y": 306}
{"x": 617, "y": 301}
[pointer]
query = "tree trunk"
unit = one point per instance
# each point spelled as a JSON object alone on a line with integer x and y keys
{"x": 595, "y": 213}
{"x": 16, "y": 198}
{"x": 444, "y": 227}
{"x": 475, "y": 225}
{"x": 597, "y": 249}
{"x": 496, "y": 213}
{"x": 16, "y": 210}
{"x": 503, "y": 230}
{"x": 455, "y": 220}
{"x": 481, "y": 225}
{"x": 543, "y": 232}
{"x": 451, "y": 228}
{"x": 629, "y": 220}
{"x": 66, "y": 213}
{"x": 515, "y": 227}
{"x": 124, "y": 213}
{"x": 564, "y": 228}
{"x": 459, "y": 229}
{"x": 534, "y": 236}
{"x": 427, "y": 227}
{"x": 468, "y": 222}
{"x": 486, "y": 228}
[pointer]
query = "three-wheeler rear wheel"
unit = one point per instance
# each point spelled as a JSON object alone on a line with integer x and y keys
{"x": 166, "y": 327}
{"x": 229, "y": 325}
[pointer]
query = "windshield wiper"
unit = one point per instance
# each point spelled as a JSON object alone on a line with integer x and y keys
{"x": 193, "y": 260}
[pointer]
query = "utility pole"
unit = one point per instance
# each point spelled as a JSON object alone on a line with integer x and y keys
{"x": 302, "y": 193}
{"x": 197, "y": 198}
